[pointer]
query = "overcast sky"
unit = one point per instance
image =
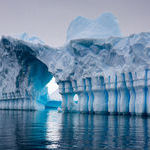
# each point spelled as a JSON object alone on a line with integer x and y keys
{"x": 49, "y": 19}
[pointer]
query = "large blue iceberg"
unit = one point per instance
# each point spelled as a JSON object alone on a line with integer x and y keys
{"x": 108, "y": 73}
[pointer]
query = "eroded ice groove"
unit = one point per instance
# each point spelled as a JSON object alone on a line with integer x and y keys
{"x": 140, "y": 89}
{"x": 90, "y": 94}
{"x": 129, "y": 82}
{"x": 122, "y": 93}
{"x": 17, "y": 101}
{"x": 148, "y": 93}
{"x": 111, "y": 87}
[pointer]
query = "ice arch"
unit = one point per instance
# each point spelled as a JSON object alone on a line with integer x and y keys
{"x": 109, "y": 75}
{"x": 23, "y": 76}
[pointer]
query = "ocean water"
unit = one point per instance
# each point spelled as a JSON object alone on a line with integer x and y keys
{"x": 33, "y": 130}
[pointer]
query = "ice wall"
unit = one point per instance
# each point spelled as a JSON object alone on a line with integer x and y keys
{"x": 123, "y": 93}
{"x": 108, "y": 75}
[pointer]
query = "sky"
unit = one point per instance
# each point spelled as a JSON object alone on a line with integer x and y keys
{"x": 49, "y": 19}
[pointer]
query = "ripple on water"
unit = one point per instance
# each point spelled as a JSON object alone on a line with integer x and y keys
{"x": 32, "y": 130}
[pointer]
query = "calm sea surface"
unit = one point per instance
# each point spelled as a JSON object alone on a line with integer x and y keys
{"x": 25, "y": 130}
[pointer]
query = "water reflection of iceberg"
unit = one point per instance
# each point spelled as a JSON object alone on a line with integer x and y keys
{"x": 84, "y": 131}
{"x": 51, "y": 130}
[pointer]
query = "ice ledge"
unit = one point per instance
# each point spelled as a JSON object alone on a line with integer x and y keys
{"x": 122, "y": 93}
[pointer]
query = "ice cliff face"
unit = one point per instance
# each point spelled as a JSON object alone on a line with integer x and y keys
{"x": 108, "y": 75}
{"x": 94, "y": 57}
{"x": 102, "y": 27}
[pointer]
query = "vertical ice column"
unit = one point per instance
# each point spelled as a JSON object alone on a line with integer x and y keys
{"x": 64, "y": 97}
{"x": 75, "y": 90}
{"x": 148, "y": 92}
{"x": 69, "y": 95}
{"x": 74, "y": 86}
{"x": 100, "y": 104}
{"x": 20, "y": 101}
{"x": 13, "y": 101}
{"x": 123, "y": 94}
{"x": 139, "y": 86}
{"x": 129, "y": 82}
{"x": 66, "y": 90}
{"x": 5, "y": 101}
{"x": 111, "y": 87}
{"x": 90, "y": 94}
{"x": 10, "y": 100}
{"x": 83, "y": 96}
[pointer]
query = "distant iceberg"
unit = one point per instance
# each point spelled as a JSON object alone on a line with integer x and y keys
{"x": 102, "y": 27}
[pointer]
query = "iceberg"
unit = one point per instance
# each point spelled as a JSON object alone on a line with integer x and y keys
{"x": 108, "y": 73}
{"x": 102, "y": 27}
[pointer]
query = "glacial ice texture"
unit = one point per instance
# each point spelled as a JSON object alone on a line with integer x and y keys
{"x": 22, "y": 76}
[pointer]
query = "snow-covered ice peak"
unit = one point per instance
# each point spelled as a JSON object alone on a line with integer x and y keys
{"x": 102, "y": 27}
{"x": 32, "y": 39}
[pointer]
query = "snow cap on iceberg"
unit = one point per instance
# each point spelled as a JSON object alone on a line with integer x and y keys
{"x": 102, "y": 27}
{"x": 27, "y": 38}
